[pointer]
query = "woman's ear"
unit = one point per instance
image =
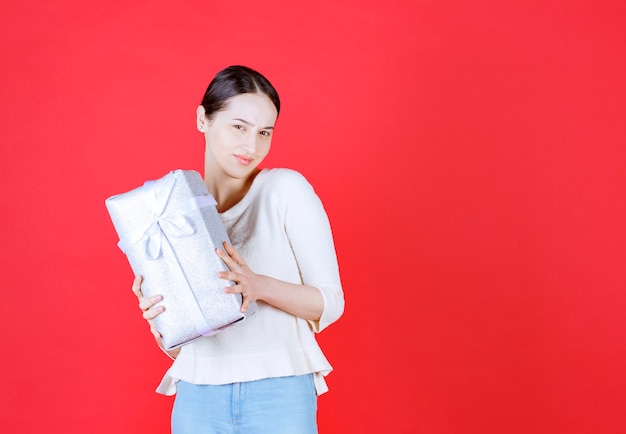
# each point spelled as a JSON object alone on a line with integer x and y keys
{"x": 201, "y": 120}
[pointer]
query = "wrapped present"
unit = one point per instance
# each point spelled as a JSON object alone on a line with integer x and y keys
{"x": 169, "y": 230}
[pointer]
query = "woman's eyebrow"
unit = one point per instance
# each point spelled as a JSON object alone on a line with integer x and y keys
{"x": 243, "y": 121}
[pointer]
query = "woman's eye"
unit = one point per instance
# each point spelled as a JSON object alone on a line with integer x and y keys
{"x": 265, "y": 133}
{"x": 238, "y": 127}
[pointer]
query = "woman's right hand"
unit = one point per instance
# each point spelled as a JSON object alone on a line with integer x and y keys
{"x": 149, "y": 312}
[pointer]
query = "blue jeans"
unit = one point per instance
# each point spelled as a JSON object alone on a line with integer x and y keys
{"x": 283, "y": 405}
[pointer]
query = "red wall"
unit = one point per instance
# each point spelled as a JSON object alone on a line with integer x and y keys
{"x": 470, "y": 155}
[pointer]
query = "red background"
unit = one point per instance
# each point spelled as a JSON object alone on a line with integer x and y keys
{"x": 470, "y": 155}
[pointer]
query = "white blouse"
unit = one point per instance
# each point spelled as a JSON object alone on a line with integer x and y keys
{"x": 281, "y": 230}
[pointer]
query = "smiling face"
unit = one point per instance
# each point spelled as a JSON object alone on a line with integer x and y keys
{"x": 239, "y": 136}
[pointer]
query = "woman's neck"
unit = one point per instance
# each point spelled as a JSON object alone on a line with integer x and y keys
{"x": 227, "y": 191}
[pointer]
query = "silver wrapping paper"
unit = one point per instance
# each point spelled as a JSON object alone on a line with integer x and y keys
{"x": 195, "y": 254}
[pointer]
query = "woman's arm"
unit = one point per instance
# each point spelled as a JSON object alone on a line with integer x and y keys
{"x": 300, "y": 213}
{"x": 303, "y": 301}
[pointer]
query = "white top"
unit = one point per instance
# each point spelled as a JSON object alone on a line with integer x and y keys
{"x": 281, "y": 230}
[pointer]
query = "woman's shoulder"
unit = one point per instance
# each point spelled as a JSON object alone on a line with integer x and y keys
{"x": 286, "y": 184}
{"x": 287, "y": 178}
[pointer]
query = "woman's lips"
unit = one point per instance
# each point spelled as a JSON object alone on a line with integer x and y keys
{"x": 245, "y": 161}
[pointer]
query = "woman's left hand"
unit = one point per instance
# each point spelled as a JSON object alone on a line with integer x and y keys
{"x": 249, "y": 284}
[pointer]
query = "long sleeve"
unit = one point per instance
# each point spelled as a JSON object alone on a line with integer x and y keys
{"x": 309, "y": 233}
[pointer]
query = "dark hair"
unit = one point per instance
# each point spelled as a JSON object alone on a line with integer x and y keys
{"x": 233, "y": 81}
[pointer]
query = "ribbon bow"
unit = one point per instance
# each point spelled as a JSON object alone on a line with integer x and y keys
{"x": 170, "y": 223}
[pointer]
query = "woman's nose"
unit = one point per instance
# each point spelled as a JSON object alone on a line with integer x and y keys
{"x": 250, "y": 142}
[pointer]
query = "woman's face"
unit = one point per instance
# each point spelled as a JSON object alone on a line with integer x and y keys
{"x": 239, "y": 137}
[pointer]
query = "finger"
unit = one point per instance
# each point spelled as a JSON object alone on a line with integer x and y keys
{"x": 137, "y": 286}
{"x": 229, "y": 275}
{"x": 154, "y": 330}
{"x": 151, "y": 314}
{"x": 231, "y": 289}
{"x": 245, "y": 304}
{"x": 234, "y": 253}
{"x": 146, "y": 303}
{"x": 230, "y": 262}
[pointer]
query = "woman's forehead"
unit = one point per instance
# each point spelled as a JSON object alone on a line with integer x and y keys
{"x": 252, "y": 107}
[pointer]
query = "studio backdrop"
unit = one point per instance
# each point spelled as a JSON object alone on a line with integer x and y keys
{"x": 470, "y": 156}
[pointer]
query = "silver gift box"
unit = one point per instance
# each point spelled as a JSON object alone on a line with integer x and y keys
{"x": 169, "y": 230}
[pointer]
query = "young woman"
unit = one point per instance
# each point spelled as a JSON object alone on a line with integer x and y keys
{"x": 262, "y": 375}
